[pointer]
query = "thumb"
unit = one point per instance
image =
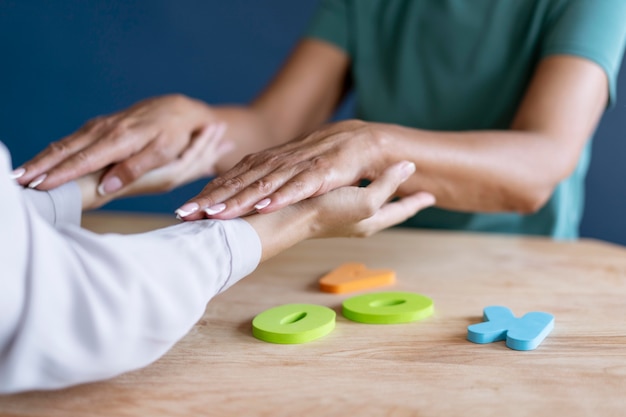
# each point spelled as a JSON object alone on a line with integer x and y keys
{"x": 383, "y": 187}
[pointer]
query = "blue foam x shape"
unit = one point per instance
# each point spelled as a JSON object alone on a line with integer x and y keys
{"x": 525, "y": 333}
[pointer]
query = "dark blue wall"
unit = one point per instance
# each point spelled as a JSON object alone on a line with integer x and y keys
{"x": 63, "y": 62}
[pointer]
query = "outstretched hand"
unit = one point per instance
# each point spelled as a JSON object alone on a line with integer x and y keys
{"x": 344, "y": 212}
{"x": 126, "y": 145}
{"x": 337, "y": 155}
{"x": 195, "y": 162}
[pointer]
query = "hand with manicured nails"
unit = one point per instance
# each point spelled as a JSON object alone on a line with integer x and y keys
{"x": 333, "y": 156}
{"x": 149, "y": 135}
{"x": 195, "y": 162}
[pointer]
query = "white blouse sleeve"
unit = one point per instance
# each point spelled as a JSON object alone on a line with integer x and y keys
{"x": 78, "y": 307}
{"x": 58, "y": 206}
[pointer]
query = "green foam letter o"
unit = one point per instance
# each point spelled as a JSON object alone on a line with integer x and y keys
{"x": 388, "y": 307}
{"x": 293, "y": 323}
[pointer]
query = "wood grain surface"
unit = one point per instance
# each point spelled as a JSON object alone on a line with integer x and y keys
{"x": 424, "y": 368}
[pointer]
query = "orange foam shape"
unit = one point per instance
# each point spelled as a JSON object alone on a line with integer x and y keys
{"x": 355, "y": 277}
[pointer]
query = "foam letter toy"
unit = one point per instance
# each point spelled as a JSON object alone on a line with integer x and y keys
{"x": 352, "y": 277}
{"x": 388, "y": 307}
{"x": 525, "y": 333}
{"x": 293, "y": 323}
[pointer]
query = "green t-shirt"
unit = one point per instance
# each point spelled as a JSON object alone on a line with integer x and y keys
{"x": 460, "y": 65}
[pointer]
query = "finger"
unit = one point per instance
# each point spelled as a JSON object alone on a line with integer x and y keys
{"x": 162, "y": 164}
{"x": 309, "y": 183}
{"x": 174, "y": 173}
{"x": 385, "y": 186}
{"x": 380, "y": 214}
{"x": 205, "y": 149}
{"x": 251, "y": 168}
{"x": 223, "y": 146}
{"x": 196, "y": 161}
{"x": 56, "y": 152}
{"x": 112, "y": 147}
{"x": 396, "y": 212}
{"x": 233, "y": 195}
{"x": 241, "y": 203}
{"x": 309, "y": 178}
{"x": 157, "y": 153}
{"x": 276, "y": 191}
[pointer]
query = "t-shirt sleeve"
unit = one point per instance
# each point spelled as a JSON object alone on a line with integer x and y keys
{"x": 591, "y": 29}
{"x": 330, "y": 23}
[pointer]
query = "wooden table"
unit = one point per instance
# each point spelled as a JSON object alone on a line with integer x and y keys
{"x": 425, "y": 368}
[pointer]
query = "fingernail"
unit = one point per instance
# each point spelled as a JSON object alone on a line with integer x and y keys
{"x": 218, "y": 208}
{"x": 262, "y": 204}
{"x": 34, "y": 183}
{"x": 109, "y": 185}
{"x": 186, "y": 209}
{"x": 408, "y": 168}
{"x": 17, "y": 173}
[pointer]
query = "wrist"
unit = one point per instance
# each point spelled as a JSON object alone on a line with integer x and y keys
{"x": 282, "y": 229}
{"x": 90, "y": 197}
{"x": 381, "y": 143}
{"x": 204, "y": 113}
{"x": 374, "y": 143}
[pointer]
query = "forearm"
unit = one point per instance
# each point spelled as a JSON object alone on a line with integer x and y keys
{"x": 249, "y": 129}
{"x": 116, "y": 303}
{"x": 484, "y": 171}
{"x": 282, "y": 229}
{"x": 515, "y": 169}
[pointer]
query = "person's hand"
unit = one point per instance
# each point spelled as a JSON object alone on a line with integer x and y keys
{"x": 353, "y": 211}
{"x": 336, "y": 155}
{"x": 348, "y": 211}
{"x": 195, "y": 162}
{"x": 128, "y": 144}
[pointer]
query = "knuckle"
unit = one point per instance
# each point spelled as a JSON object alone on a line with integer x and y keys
{"x": 135, "y": 170}
{"x": 369, "y": 208}
{"x": 298, "y": 185}
{"x": 263, "y": 158}
{"x": 251, "y": 161}
{"x": 233, "y": 184}
{"x": 247, "y": 160}
{"x": 118, "y": 130}
{"x": 263, "y": 186}
{"x": 81, "y": 156}
{"x": 130, "y": 171}
{"x": 216, "y": 182}
{"x": 320, "y": 163}
{"x": 84, "y": 158}
{"x": 58, "y": 148}
{"x": 274, "y": 160}
{"x": 92, "y": 124}
{"x": 236, "y": 201}
{"x": 161, "y": 153}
